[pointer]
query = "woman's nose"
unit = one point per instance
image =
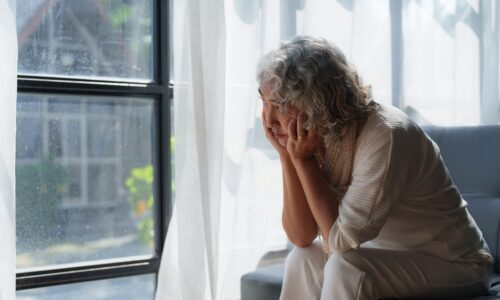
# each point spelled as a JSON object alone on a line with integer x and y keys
{"x": 270, "y": 113}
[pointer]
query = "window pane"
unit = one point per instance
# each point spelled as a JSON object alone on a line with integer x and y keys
{"x": 84, "y": 179}
{"x": 104, "y": 39}
{"x": 72, "y": 186}
{"x": 101, "y": 136}
{"x": 73, "y": 141}
{"x": 134, "y": 287}
{"x": 55, "y": 137}
{"x": 30, "y": 127}
{"x": 104, "y": 182}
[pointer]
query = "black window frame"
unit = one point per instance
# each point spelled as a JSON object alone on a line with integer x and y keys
{"x": 160, "y": 90}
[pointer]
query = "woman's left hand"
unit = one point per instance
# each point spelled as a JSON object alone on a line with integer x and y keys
{"x": 302, "y": 144}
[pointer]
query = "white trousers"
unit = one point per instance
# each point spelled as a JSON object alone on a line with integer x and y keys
{"x": 368, "y": 274}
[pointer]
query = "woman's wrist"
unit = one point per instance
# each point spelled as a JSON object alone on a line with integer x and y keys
{"x": 304, "y": 161}
{"x": 284, "y": 156}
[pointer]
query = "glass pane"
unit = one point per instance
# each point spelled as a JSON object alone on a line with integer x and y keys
{"x": 108, "y": 39}
{"x": 103, "y": 179}
{"x": 72, "y": 186}
{"x": 101, "y": 136}
{"x": 84, "y": 181}
{"x": 74, "y": 137}
{"x": 30, "y": 127}
{"x": 134, "y": 287}
{"x": 55, "y": 138}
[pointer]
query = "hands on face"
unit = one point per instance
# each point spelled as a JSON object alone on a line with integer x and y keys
{"x": 300, "y": 143}
{"x": 270, "y": 136}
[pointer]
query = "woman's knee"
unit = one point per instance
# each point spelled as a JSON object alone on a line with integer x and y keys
{"x": 346, "y": 278}
{"x": 341, "y": 262}
{"x": 306, "y": 257}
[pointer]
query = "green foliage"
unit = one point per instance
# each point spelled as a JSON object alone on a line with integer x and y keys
{"x": 39, "y": 190}
{"x": 140, "y": 185}
{"x": 132, "y": 20}
{"x": 121, "y": 15}
{"x": 118, "y": 12}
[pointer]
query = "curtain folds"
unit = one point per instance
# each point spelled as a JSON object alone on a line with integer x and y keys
{"x": 8, "y": 90}
{"x": 190, "y": 270}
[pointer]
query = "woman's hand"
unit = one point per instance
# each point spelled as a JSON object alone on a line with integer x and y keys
{"x": 302, "y": 144}
{"x": 270, "y": 136}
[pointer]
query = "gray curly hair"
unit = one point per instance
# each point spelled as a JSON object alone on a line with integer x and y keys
{"x": 313, "y": 75}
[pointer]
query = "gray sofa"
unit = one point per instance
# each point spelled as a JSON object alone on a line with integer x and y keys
{"x": 472, "y": 155}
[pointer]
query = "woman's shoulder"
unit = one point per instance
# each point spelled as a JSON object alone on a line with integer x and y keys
{"x": 390, "y": 117}
{"x": 390, "y": 135}
{"x": 386, "y": 124}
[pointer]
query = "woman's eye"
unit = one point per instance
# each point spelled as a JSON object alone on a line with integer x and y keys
{"x": 282, "y": 109}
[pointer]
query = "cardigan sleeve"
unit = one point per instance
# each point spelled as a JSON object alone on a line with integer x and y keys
{"x": 379, "y": 178}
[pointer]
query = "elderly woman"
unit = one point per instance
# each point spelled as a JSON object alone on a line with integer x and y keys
{"x": 368, "y": 181}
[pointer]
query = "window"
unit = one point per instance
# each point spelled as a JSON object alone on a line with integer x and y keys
{"x": 93, "y": 147}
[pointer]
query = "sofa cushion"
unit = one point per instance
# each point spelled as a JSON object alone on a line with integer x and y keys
{"x": 263, "y": 284}
{"x": 494, "y": 291}
{"x": 495, "y": 283}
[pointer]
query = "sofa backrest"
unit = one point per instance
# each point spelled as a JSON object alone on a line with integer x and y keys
{"x": 472, "y": 156}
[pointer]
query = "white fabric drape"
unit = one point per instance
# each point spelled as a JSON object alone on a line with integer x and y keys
{"x": 8, "y": 89}
{"x": 190, "y": 261}
{"x": 228, "y": 196}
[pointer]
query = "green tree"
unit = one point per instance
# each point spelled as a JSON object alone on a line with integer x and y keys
{"x": 140, "y": 185}
{"x": 39, "y": 191}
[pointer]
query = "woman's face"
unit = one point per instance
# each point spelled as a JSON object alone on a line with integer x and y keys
{"x": 276, "y": 116}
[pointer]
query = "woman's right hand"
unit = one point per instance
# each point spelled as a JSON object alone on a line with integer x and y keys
{"x": 270, "y": 136}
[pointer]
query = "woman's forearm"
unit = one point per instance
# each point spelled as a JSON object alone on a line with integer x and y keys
{"x": 298, "y": 220}
{"x": 319, "y": 194}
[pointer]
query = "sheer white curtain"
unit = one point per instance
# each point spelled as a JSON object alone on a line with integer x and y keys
{"x": 190, "y": 261}
{"x": 8, "y": 84}
{"x": 451, "y": 61}
{"x": 228, "y": 196}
